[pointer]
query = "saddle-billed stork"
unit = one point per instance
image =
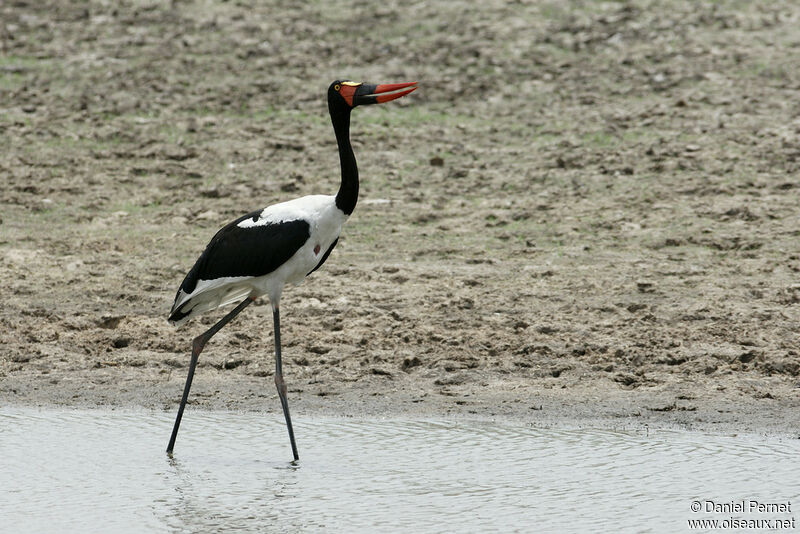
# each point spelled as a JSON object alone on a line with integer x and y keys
{"x": 259, "y": 253}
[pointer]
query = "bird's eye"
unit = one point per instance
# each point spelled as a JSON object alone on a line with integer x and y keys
{"x": 337, "y": 87}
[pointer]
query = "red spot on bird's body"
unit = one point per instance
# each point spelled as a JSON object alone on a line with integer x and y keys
{"x": 316, "y": 249}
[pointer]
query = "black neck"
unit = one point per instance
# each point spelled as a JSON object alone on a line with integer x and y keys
{"x": 347, "y": 196}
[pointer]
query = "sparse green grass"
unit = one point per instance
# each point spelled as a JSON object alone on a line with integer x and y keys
{"x": 516, "y": 88}
{"x": 11, "y": 81}
{"x": 416, "y": 116}
{"x": 27, "y": 62}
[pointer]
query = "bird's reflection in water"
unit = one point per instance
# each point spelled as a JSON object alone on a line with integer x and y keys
{"x": 206, "y": 499}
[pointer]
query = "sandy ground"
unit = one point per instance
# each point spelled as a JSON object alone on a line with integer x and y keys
{"x": 589, "y": 210}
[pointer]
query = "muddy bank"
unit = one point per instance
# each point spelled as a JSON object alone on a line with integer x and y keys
{"x": 590, "y": 404}
{"x": 585, "y": 205}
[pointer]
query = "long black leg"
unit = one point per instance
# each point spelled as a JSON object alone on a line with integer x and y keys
{"x": 197, "y": 347}
{"x": 279, "y": 379}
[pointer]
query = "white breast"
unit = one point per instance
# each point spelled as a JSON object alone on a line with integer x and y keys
{"x": 325, "y": 222}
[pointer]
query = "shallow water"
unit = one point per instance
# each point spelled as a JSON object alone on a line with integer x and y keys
{"x": 106, "y": 471}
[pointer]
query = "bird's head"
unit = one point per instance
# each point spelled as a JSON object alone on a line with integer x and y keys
{"x": 344, "y": 94}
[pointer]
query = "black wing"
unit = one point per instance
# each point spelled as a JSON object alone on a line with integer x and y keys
{"x": 251, "y": 251}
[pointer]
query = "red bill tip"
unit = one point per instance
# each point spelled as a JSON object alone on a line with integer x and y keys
{"x": 389, "y": 87}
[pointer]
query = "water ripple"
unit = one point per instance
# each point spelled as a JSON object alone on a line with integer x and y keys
{"x": 98, "y": 470}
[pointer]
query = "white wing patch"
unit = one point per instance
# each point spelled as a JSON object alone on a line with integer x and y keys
{"x": 205, "y": 286}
